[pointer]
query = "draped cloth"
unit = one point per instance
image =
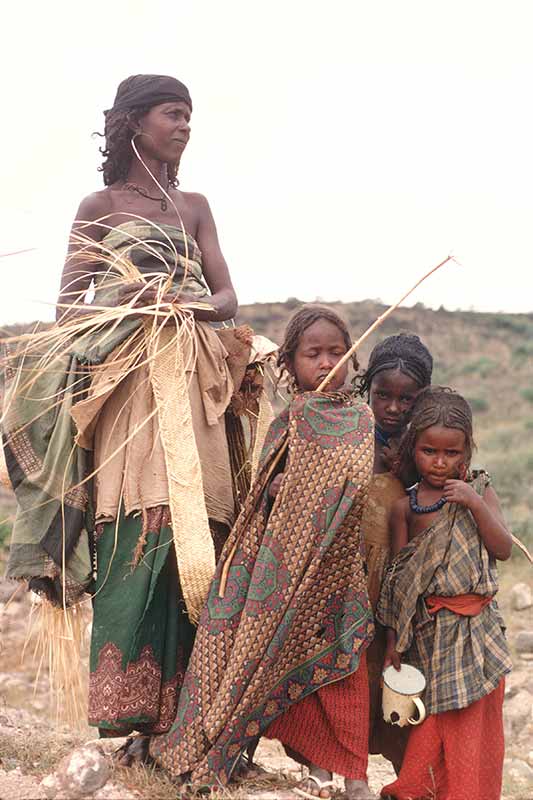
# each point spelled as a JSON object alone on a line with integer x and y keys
{"x": 294, "y": 615}
{"x": 56, "y": 401}
{"x": 438, "y": 596}
{"x": 456, "y": 755}
{"x": 337, "y": 715}
{"x": 462, "y": 657}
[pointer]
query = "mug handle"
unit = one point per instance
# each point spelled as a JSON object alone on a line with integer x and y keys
{"x": 421, "y": 712}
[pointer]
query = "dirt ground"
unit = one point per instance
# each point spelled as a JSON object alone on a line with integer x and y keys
{"x": 31, "y": 745}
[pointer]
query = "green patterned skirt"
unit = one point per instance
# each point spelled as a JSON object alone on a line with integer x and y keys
{"x": 142, "y": 636}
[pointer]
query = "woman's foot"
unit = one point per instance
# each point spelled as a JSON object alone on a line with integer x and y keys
{"x": 318, "y": 784}
{"x": 358, "y": 790}
{"x": 134, "y": 751}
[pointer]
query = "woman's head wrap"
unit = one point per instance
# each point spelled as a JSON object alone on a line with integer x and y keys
{"x": 404, "y": 352}
{"x": 141, "y": 91}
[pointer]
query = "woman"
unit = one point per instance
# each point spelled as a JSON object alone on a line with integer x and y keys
{"x": 148, "y": 388}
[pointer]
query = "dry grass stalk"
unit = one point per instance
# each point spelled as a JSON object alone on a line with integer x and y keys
{"x": 59, "y": 638}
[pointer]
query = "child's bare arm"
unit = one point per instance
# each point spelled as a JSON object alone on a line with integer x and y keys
{"x": 399, "y": 534}
{"x": 398, "y": 525}
{"x": 487, "y": 513}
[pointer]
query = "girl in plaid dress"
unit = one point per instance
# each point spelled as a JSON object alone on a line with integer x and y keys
{"x": 438, "y": 605}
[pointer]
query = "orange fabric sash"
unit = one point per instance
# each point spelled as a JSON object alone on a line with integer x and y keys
{"x": 467, "y": 605}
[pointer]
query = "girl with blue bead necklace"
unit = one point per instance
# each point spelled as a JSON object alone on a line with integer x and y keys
{"x": 438, "y": 605}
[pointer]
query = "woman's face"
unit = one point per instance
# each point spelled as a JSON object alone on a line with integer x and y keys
{"x": 164, "y": 131}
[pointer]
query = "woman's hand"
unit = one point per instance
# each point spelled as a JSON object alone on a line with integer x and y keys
{"x": 149, "y": 295}
{"x": 275, "y": 485}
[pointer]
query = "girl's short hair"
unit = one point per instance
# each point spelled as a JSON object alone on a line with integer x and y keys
{"x": 299, "y": 322}
{"x": 404, "y": 351}
{"x": 435, "y": 405}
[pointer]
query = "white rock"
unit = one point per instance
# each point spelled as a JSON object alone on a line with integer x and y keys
{"x": 519, "y": 770}
{"x": 517, "y": 712}
{"x": 518, "y": 679}
{"x": 82, "y": 772}
{"x": 524, "y": 642}
{"x": 530, "y": 758}
{"x": 521, "y": 597}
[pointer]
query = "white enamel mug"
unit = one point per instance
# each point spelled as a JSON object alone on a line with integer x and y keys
{"x": 401, "y": 696}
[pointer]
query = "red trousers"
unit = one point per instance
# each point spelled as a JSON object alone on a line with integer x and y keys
{"x": 329, "y": 728}
{"x": 456, "y": 755}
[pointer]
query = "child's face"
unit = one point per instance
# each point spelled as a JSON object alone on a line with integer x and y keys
{"x": 392, "y": 394}
{"x": 320, "y": 347}
{"x": 440, "y": 454}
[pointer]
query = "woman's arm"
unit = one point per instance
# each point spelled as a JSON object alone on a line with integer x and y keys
{"x": 82, "y": 258}
{"x": 223, "y": 298}
{"x": 487, "y": 513}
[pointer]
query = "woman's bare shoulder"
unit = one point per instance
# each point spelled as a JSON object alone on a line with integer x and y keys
{"x": 94, "y": 206}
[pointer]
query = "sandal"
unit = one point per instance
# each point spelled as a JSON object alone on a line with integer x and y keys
{"x": 320, "y": 785}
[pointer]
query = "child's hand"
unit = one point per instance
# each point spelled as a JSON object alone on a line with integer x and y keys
{"x": 275, "y": 484}
{"x": 392, "y": 656}
{"x": 456, "y": 491}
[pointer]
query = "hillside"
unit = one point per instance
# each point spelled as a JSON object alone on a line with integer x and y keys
{"x": 487, "y": 357}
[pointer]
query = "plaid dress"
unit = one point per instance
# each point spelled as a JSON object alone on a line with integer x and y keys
{"x": 463, "y": 658}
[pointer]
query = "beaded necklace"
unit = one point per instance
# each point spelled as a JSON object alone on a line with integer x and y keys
{"x": 413, "y": 503}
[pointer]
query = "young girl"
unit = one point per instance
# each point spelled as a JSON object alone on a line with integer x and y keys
{"x": 398, "y": 368}
{"x": 438, "y": 605}
{"x": 316, "y": 338}
{"x": 280, "y": 646}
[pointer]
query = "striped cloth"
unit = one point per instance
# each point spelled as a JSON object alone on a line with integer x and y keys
{"x": 463, "y": 658}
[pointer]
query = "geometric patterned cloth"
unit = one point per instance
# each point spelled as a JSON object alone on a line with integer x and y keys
{"x": 337, "y": 714}
{"x": 462, "y": 657}
{"x": 294, "y": 614}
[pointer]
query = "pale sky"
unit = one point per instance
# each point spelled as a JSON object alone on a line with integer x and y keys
{"x": 345, "y": 147}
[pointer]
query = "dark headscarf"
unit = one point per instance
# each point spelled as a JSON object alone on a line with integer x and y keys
{"x": 140, "y": 91}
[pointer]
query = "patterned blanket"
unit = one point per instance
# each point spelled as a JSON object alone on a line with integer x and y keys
{"x": 294, "y": 615}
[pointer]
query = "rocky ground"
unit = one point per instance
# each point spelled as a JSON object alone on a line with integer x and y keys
{"x": 39, "y": 759}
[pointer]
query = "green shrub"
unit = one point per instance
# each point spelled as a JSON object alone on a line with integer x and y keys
{"x": 484, "y": 366}
{"x": 523, "y": 350}
{"x": 527, "y": 394}
{"x": 478, "y": 404}
{"x": 520, "y": 324}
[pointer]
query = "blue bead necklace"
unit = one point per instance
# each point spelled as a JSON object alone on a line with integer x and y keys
{"x": 415, "y": 508}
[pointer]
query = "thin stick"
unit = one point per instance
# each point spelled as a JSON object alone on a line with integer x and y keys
{"x": 376, "y": 324}
{"x": 522, "y": 547}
